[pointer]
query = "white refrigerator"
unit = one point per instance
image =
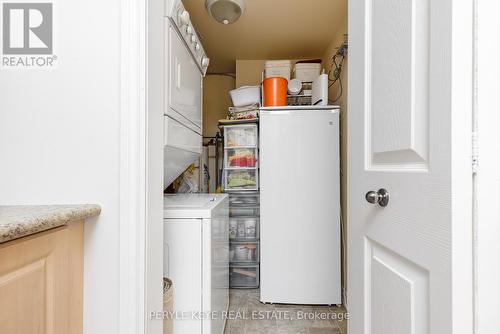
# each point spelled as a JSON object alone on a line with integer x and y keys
{"x": 300, "y": 205}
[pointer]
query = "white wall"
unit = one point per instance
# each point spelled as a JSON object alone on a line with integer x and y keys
{"x": 59, "y": 141}
{"x": 216, "y": 101}
{"x": 334, "y": 93}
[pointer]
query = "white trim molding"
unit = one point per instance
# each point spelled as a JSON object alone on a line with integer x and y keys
{"x": 487, "y": 178}
{"x": 133, "y": 197}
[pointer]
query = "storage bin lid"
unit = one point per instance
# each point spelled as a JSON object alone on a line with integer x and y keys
{"x": 304, "y": 66}
{"x": 278, "y": 63}
{"x": 246, "y": 88}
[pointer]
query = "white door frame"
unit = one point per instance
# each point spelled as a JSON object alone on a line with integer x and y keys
{"x": 139, "y": 292}
{"x": 141, "y": 166}
{"x": 133, "y": 200}
{"x": 487, "y": 178}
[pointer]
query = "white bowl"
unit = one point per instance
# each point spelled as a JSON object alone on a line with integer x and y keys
{"x": 294, "y": 86}
{"x": 245, "y": 96}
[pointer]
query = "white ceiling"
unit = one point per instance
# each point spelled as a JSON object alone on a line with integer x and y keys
{"x": 268, "y": 29}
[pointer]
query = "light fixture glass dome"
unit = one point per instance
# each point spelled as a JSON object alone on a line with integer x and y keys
{"x": 225, "y": 11}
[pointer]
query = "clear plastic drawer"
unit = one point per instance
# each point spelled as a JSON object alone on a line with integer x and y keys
{"x": 244, "y": 228}
{"x": 244, "y": 135}
{"x": 241, "y": 179}
{"x": 244, "y": 276}
{"x": 244, "y": 211}
{"x": 244, "y": 199}
{"x": 241, "y": 158}
{"x": 244, "y": 251}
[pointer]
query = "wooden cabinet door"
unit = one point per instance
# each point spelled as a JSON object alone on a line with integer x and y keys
{"x": 41, "y": 283}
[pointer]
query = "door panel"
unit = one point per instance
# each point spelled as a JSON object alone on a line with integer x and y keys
{"x": 409, "y": 132}
{"x": 398, "y": 93}
{"x": 399, "y": 292}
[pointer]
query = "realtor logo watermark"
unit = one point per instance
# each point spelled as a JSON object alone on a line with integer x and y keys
{"x": 28, "y": 35}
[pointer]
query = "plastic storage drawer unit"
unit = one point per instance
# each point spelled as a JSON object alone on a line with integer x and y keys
{"x": 244, "y": 252}
{"x": 244, "y": 212}
{"x": 247, "y": 198}
{"x": 244, "y": 228}
{"x": 242, "y": 136}
{"x": 244, "y": 276}
{"x": 241, "y": 158}
{"x": 241, "y": 179}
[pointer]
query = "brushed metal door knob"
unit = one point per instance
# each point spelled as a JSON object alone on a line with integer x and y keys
{"x": 381, "y": 197}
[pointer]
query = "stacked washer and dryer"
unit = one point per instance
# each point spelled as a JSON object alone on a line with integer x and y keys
{"x": 186, "y": 64}
{"x": 196, "y": 248}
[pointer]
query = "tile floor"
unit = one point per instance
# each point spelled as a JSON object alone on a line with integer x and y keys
{"x": 247, "y": 311}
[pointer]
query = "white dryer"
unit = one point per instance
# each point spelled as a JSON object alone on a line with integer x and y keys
{"x": 196, "y": 259}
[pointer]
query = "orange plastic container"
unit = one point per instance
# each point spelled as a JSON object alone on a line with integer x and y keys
{"x": 275, "y": 91}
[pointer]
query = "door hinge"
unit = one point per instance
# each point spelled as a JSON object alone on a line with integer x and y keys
{"x": 475, "y": 153}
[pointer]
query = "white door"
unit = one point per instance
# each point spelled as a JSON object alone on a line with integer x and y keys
{"x": 409, "y": 268}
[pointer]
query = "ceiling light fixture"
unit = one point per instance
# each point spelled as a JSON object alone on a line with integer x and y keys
{"x": 225, "y": 11}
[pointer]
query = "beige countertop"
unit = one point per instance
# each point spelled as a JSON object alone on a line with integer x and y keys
{"x": 18, "y": 221}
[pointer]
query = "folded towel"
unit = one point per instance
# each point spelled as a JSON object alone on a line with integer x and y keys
{"x": 252, "y": 107}
{"x": 244, "y": 115}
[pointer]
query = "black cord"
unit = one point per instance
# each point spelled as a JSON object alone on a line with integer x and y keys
{"x": 341, "y": 91}
{"x": 338, "y": 68}
{"x": 336, "y": 74}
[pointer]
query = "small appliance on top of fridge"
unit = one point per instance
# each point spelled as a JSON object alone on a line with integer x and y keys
{"x": 300, "y": 205}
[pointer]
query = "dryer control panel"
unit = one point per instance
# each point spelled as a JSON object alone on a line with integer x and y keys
{"x": 181, "y": 19}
